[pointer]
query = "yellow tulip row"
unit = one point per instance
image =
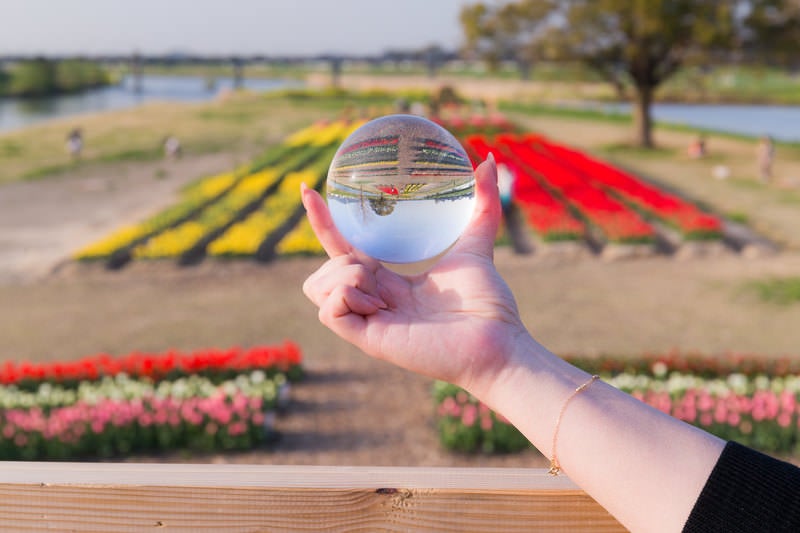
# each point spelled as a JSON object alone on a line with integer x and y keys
{"x": 203, "y": 191}
{"x": 300, "y": 241}
{"x": 244, "y": 238}
{"x": 323, "y": 134}
{"x": 175, "y": 241}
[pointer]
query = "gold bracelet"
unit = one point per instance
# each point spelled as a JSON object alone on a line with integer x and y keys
{"x": 555, "y": 467}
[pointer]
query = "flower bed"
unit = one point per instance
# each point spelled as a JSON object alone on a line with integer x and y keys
{"x": 231, "y": 214}
{"x": 747, "y": 399}
{"x": 102, "y": 406}
{"x": 546, "y": 214}
{"x": 686, "y": 218}
{"x": 615, "y": 220}
{"x": 194, "y": 199}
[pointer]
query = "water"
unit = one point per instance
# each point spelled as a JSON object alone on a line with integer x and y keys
{"x": 414, "y": 230}
{"x": 781, "y": 122}
{"x": 18, "y": 113}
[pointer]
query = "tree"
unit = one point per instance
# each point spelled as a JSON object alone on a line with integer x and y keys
{"x": 36, "y": 77}
{"x": 636, "y": 43}
{"x": 510, "y": 32}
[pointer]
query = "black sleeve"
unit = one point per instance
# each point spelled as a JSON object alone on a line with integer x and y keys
{"x": 748, "y": 491}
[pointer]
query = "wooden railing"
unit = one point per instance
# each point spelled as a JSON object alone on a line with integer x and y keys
{"x": 175, "y": 497}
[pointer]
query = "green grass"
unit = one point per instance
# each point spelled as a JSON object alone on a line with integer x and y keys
{"x": 569, "y": 112}
{"x": 243, "y": 122}
{"x": 782, "y": 291}
{"x": 739, "y": 217}
{"x": 627, "y": 149}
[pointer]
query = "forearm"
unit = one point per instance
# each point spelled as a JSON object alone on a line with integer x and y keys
{"x": 643, "y": 466}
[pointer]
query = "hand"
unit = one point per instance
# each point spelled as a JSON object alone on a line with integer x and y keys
{"x": 457, "y": 322}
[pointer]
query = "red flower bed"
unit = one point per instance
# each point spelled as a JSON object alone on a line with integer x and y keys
{"x": 218, "y": 364}
{"x": 546, "y": 214}
{"x": 683, "y": 216}
{"x": 617, "y": 221}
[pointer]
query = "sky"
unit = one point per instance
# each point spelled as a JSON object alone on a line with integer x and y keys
{"x": 266, "y": 27}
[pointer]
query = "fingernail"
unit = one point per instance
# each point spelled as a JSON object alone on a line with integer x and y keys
{"x": 490, "y": 157}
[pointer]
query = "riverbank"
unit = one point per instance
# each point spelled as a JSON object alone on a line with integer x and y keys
{"x": 240, "y": 123}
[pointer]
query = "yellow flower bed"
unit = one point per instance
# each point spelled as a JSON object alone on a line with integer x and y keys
{"x": 179, "y": 239}
{"x": 335, "y": 132}
{"x": 304, "y": 136}
{"x": 214, "y": 185}
{"x": 204, "y": 190}
{"x": 105, "y": 247}
{"x": 242, "y": 238}
{"x": 301, "y": 240}
{"x": 245, "y": 237}
{"x": 171, "y": 243}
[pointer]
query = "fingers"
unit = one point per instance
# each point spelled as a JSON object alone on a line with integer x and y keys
{"x": 321, "y": 222}
{"x": 346, "y": 293}
{"x": 345, "y": 271}
{"x": 482, "y": 230}
{"x": 346, "y": 300}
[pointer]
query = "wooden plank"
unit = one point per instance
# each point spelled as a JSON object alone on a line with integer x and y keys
{"x": 182, "y": 497}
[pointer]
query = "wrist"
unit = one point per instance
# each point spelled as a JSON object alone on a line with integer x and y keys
{"x": 530, "y": 389}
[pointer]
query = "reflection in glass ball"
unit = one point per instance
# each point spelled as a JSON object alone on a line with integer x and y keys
{"x": 401, "y": 189}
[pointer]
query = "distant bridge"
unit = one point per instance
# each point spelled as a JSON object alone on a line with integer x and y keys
{"x": 432, "y": 57}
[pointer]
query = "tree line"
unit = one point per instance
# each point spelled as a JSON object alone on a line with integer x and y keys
{"x": 45, "y": 77}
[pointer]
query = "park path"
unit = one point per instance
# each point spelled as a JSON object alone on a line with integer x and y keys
{"x": 43, "y": 222}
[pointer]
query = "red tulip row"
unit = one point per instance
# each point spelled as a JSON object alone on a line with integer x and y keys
{"x": 219, "y": 364}
{"x": 617, "y": 221}
{"x": 546, "y": 214}
{"x": 682, "y": 215}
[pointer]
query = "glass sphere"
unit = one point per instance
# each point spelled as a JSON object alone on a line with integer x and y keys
{"x": 401, "y": 189}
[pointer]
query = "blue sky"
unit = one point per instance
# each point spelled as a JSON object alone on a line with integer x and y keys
{"x": 269, "y": 27}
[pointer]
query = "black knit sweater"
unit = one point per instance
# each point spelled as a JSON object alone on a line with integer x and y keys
{"x": 748, "y": 492}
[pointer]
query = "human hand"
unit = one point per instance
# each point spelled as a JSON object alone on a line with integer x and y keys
{"x": 457, "y": 322}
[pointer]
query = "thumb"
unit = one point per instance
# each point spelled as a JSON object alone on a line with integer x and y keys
{"x": 480, "y": 234}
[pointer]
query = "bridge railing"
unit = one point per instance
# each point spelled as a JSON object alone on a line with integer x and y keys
{"x": 187, "y": 497}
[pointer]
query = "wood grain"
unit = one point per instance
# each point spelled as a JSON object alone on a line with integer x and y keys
{"x": 238, "y": 498}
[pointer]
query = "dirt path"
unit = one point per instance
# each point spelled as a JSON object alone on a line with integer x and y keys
{"x": 43, "y": 222}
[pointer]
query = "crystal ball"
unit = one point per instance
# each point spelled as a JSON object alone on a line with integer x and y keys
{"x": 401, "y": 189}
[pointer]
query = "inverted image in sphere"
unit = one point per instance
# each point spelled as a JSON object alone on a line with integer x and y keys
{"x": 401, "y": 189}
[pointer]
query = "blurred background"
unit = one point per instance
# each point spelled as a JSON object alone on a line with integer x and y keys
{"x": 152, "y": 243}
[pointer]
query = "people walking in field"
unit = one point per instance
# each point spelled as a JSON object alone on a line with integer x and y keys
{"x": 172, "y": 147}
{"x": 459, "y": 322}
{"x": 765, "y": 155}
{"x": 75, "y": 143}
{"x": 697, "y": 148}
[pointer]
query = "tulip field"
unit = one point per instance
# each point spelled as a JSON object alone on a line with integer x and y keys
{"x": 104, "y": 406}
{"x": 563, "y": 193}
{"x": 749, "y": 400}
{"x": 255, "y": 211}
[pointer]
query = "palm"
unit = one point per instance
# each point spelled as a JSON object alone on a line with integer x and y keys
{"x": 447, "y": 323}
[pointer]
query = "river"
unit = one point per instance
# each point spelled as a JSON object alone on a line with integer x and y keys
{"x": 780, "y": 122}
{"x": 18, "y": 113}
